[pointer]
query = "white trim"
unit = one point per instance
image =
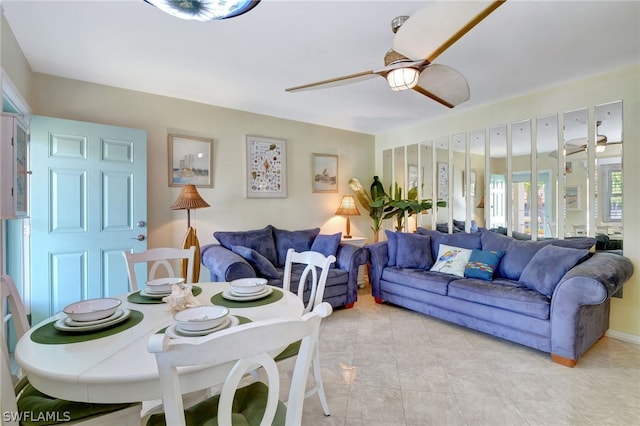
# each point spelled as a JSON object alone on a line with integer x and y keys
{"x": 10, "y": 91}
{"x": 621, "y": 335}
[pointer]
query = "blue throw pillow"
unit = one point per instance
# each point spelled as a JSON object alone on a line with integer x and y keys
{"x": 260, "y": 263}
{"x": 413, "y": 251}
{"x": 297, "y": 240}
{"x": 483, "y": 264}
{"x": 392, "y": 247}
{"x": 459, "y": 239}
{"x": 261, "y": 240}
{"x": 327, "y": 244}
{"x": 548, "y": 266}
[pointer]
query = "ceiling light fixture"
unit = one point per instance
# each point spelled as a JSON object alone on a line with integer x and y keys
{"x": 402, "y": 78}
{"x": 204, "y": 10}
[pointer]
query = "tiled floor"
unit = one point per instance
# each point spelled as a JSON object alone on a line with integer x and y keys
{"x": 384, "y": 365}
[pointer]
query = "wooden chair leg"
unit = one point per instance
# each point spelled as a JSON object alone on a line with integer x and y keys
{"x": 567, "y": 362}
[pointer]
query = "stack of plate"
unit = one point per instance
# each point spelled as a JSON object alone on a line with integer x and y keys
{"x": 160, "y": 287}
{"x": 246, "y": 289}
{"x": 200, "y": 321}
{"x": 92, "y": 314}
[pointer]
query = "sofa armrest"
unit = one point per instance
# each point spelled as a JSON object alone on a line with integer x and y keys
{"x": 224, "y": 264}
{"x": 379, "y": 258}
{"x": 580, "y": 303}
{"x": 349, "y": 258}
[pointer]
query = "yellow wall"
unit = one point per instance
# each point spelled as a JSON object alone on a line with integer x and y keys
{"x": 622, "y": 84}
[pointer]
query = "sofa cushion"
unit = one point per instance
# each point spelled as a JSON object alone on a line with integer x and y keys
{"x": 452, "y": 260}
{"x": 433, "y": 282}
{"x": 459, "y": 239}
{"x": 483, "y": 264}
{"x": 548, "y": 266}
{"x": 327, "y": 244}
{"x": 503, "y": 294}
{"x": 260, "y": 263}
{"x": 518, "y": 253}
{"x": 297, "y": 240}
{"x": 261, "y": 240}
{"x": 413, "y": 251}
{"x": 392, "y": 247}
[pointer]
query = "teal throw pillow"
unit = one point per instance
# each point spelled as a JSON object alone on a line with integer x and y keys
{"x": 483, "y": 264}
{"x": 260, "y": 263}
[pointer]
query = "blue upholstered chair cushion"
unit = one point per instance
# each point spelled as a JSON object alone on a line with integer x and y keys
{"x": 297, "y": 240}
{"x": 327, "y": 244}
{"x": 261, "y": 240}
{"x": 452, "y": 260}
{"x": 548, "y": 266}
{"x": 413, "y": 251}
{"x": 260, "y": 263}
{"x": 483, "y": 264}
{"x": 392, "y": 247}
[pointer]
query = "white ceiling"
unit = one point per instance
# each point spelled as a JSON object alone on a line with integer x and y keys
{"x": 245, "y": 63}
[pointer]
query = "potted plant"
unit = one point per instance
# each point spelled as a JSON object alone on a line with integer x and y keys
{"x": 375, "y": 201}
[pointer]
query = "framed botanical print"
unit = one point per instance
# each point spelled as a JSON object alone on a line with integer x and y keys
{"x": 324, "y": 169}
{"x": 266, "y": 167}
{"x": 443, "y": 181}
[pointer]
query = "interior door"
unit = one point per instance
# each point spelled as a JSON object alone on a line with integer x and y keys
{"x": 89, "y": 203}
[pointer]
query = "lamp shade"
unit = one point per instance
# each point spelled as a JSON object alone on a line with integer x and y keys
{"x": 348, "y": 207}
{"x": 402, "y": 78}
{"x": 481, "y": 204}
{"x": 189, "y": 199}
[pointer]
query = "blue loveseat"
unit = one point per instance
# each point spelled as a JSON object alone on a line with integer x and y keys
{"x": 262, "y": 253}
{"x": 551, "y": 295}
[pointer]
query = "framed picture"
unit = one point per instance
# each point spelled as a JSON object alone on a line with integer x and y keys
{"x": 324, "y": 169}
{"x": 190, "y": 161}
{"x": 266, "y": 167}
{"x": 573, "y": 197}
{"x": 443, "y": 181}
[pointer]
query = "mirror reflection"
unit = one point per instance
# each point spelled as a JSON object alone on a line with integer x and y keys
{"x": 442, "y": 184}
{"x": 524, "y": 212}
{"x": 576, "y": 175}
{"x": 497, "y": 179}
{"x": 459, "y": 172}
{"x": 475, "y": 196}
{"x": 427, "y": 218}
{"x": 547, "y": 165}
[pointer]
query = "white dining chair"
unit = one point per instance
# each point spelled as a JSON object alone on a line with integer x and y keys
{"x": 315, "y": 283}
{"x": 19, "y": 401}
{"x": 244, "y": 348}
{"x": 156, "y": 258}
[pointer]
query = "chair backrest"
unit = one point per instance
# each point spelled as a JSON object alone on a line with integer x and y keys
{"x": 312, "y": 260}
{"x": 158, "y": 257}
{"x": 9, "y": 298}
{"x": 248, "y": 346}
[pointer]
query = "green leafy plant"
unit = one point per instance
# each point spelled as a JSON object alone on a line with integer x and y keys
{"x": 375, "y": 201}
{"x": 408, "y": 206}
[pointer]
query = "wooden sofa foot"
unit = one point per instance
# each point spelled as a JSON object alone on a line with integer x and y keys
{"x": 567, "y": 362}
{"x": 349, "y": 305}
{"x": 378, "y": 300}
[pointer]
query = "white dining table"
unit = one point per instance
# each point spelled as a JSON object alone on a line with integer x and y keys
{"x": 119, "y": 368}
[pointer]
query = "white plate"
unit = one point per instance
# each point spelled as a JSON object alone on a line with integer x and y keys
{"x": 166, "y": 280}
{"x": 227, "y": 294}
{"x": 174, "y": 332}
{"x": 153, "y": 295}
{"x": 248, "y": 285}
{"x": 263, "y": 291}
{"x": 72, "y": 323}
{"x": 149, "y": 290}
{"x": 60, "y": 325}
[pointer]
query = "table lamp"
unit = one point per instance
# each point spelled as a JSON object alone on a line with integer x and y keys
{"x": 348, "y": 208}
{"x": 190, "y": 199}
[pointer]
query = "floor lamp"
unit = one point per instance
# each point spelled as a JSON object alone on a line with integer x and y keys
{"x": 190, "y": 199}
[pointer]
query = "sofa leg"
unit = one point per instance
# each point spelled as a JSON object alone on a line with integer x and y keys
{"x": 567, "y": 362}
{"x": 349, "y": 305}
{"x": 378, "y": 300}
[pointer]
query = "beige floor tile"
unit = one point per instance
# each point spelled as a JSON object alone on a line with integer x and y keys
{"x": 375, "y": 403}
{"x": 488, "y": 410}
{"x": 431, "y": 408}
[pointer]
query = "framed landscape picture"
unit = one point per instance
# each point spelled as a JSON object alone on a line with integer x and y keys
{"x": 324, "y": 169}
{"x": 190, "y": 161}
{"x": 266, "y": 167}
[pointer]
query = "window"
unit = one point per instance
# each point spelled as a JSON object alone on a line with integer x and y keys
{"x": 611, "y": 193}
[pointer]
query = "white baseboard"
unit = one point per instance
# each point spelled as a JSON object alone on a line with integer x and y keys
{"x": 620, "y": 335}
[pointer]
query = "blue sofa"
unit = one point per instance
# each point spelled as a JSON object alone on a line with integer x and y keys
{"x": 262, "y": 253}
{"x": 551, "y": 295}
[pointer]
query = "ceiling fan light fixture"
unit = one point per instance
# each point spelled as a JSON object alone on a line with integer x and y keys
{"x": 403, "y": 78}
{"x": 204, "y": 10}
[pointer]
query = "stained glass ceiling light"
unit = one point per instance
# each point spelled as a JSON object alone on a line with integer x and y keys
{"x": 204, "y": 10}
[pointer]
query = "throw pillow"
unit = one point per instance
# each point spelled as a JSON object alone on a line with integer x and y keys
{"x": 483, "y": 264}
{"x": 261, "y": 240}
{"x": 327, "y": 244}
{"x": 452, "y": 260}
{"x": 459, "y": 239}
{"x": 392, "y": 247}
{"x": 297, "y": 240}
{"x": 548, "y": 266}
{"x": 413, "y": 251}
{"x": 260, "y": 263}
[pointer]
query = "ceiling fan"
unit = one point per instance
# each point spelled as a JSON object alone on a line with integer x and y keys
{"x": 418, "y": 41}
{"x": 578, "y": 145}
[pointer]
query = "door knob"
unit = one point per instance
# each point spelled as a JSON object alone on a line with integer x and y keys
{"x": 141, "y": 224}
{"x": 140, "y": 237}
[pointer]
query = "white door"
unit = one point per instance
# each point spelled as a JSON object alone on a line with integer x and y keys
{"x": 89, "y": 203}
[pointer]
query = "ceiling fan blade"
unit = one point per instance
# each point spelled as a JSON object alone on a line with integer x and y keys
{"x": 333, "y": 82}
{"x": 443, "y": 84}
{"x": 430, "y": 31}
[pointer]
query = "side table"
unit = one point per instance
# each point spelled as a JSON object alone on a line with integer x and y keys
{"x": 359, "y": 242}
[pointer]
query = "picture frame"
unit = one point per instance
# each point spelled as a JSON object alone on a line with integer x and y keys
{"x": 190, "y": 160}
{"x": 412, "y": 171}
{"x": 573, "y": 197}
{"x": 266, "y": 167}
{"x": 324, "y": 173}
{"x": 443, "y": 180}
